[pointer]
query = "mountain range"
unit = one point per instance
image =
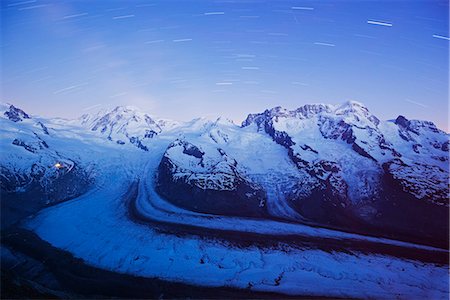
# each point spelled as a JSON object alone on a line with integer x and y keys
{"x": 324, "y": 201}
{"x": 336, "y": 166}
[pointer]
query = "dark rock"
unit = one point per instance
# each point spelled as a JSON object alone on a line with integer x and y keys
{"x": 402, "y": 122}
{"x": 137, "y": 142}
{"x": 308, "y": 148}
{"x": 37, "y": 171}
{"x": 348, "y": 135}
{"x": 26, "y": 146}
{"x": 358, "y": 149}
{"x": 150, "y": 133}
{"x": 445, "y": 146}
{"x": 192, "y": 150}
{"x": 44, "y": 128}
{"x": 416, "y": 147}
{"x": 16, "y": 114}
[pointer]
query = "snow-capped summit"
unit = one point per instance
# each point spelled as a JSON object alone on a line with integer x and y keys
{"x": 224, "y": 121}
{"x": 351, "y": 111}
{"x": 123, "y": 124}
{"x": 17, "y": 115}
{"x": 357, "y": 113}
{"x": 13, "y": 113}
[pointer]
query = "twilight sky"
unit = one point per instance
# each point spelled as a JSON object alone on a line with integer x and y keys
{"x": 183, "y": 59}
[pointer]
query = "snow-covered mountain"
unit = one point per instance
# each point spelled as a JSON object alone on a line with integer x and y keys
{"x": 347, "y": 145}
{"x": 349, "y": 135}
{"x": 34, "y": 159}
{"x": 123, "y": 124}
{"x": 331, "y": 165}
{"x": 361, "y": 169}
{"x": 208, "y": 180}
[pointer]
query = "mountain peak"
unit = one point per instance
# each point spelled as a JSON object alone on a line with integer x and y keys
{"x": 353, "y": 111}
{"x": 276, "y": 110}
{"x": 13, "y": 113}
{"x": 310, "y": 110}
{"x": 351, "y": 106}
{"x": 123, "y": 124}
{"x": 353, "y": 103}
{"x": 224, "y": 121}
{"x": 126, "y": 109}
{"x": 416, "y": 125}
{"x": 357, "y": 113}
{"x": 402, "y": 121}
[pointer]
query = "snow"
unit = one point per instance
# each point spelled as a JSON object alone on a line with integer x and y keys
{"x": 317, "y": 131}
{"x": 152, "y": 206}
{"x": 116, "y": 243}
{"x": 313, "y": 128}
{"x": 97, "y": 228}
{"x": 427, "y": 169}
{"x": 122, "y": 124}
{"x": 354, "y": 167}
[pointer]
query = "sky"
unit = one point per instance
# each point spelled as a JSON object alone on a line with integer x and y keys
{"x": 184, "y": 59}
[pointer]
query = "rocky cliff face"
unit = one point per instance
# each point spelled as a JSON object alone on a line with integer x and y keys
{"x": 206, "y": 179}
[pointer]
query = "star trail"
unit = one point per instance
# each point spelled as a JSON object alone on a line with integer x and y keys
{"x": 165, "y": 55}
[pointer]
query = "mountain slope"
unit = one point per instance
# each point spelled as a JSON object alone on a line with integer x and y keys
{"x": 36, "y": 170}
{"x": 123, "y": 125}
{"x": 363, "y": 170}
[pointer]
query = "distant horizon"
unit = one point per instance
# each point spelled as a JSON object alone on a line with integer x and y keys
{"x": 186, "y": 59}
{"x": 106, "y": 108}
